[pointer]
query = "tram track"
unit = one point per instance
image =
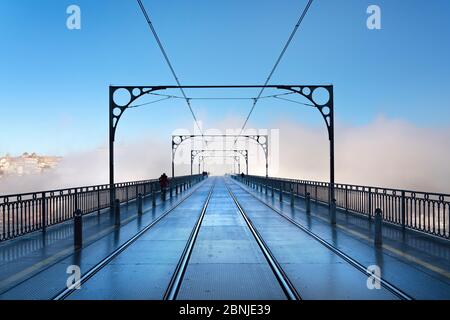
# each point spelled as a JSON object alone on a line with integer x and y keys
{"x": 282, "y": 278}
{"x": 354, "y": 263}
{"x": 104, "y": 262}
{"x": 177, "y": 278}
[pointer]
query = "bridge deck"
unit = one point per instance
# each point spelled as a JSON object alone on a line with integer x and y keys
{"x": 226, "y": 260}
{"x": 417, "y": 263}
{"x": 26, "y": 262}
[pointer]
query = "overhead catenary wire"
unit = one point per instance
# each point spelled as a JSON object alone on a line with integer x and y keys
{"x": 277, "y": 62}
{"x": 298, "y": 102}
{"x": 147, "y": 103}
{"x": 166, "y": 57}
{"x": 221, "y": 98}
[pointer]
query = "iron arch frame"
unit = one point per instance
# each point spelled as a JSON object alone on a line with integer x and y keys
{"x": 326, "y": 109}
{"x": 195, "y": 153}
{"x": 261, "y": 140}
{"x": 237, "y": 160}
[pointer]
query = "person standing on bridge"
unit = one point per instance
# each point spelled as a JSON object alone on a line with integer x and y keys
{"x": 163, "y": 183}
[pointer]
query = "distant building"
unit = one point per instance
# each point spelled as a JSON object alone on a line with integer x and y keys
{"x": 26, "y": 164}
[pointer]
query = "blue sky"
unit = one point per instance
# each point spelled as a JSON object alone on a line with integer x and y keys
{"x": 54, "y": 81}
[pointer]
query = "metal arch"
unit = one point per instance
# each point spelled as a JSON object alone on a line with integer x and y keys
{"x": 115, "y": 113}
{"x": 242, "y": 152}
{"x": 255, "y": 137}
{"x": 236, "y": 159}
{"x": 307, "y": 92}
{"x": 327, "y": 111}
{"x": 113, "y": 107}
{"x": 261, "y": 139}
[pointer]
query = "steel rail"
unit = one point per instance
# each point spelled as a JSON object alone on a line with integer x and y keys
{"x": 278, "y": 271}
{"x": 386, "y": 284}
{"x": 68, "y": 291}
{"x": 177, "y": 277}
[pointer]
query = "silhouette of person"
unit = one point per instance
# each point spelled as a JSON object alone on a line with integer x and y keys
{"x": 163, "y": 183}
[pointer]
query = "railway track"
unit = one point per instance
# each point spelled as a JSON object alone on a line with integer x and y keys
{"x": 354, "y": 263}
{"x": 280, "y": 277}
{"x": 177, "y": 279}
{"x": 99, "y": 266}
{"x": 283, "y": 280}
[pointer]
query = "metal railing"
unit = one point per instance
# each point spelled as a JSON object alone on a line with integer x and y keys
{"x": 423, "y": 211}
{"x": 28, "y": 212}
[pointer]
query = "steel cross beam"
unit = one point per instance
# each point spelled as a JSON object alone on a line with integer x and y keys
{"x": 261, "y": 140}
{"x": 243, "y": 153}
{"x": 325, "y": 108}
{"x": 237, "y": 160}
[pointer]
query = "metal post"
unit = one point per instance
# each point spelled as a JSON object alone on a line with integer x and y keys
{"x": 370, "y": 202}
{"x": 98, "y": 200}
{"x": 346, "y": 198}
{"x": 281, "y": 191}
{"x": 378, "y": 239}
{"x": 76, "y": 199}
{"x": 403, "y": 210}
{"x": 331, "y": 137}
{"x": 78, "y": 229}
{"x": 153, "y": 196}
{"x": 267, "y": 158}
{"x": 173, "y": 163}
{"x": 308, "y": 203}
{"x": 333, "y": 211}
{"x": 117, "y": 212}
{"x": 292, "y": 195}
{"x": 271, "y": 187}
{"x": 112, "y": 194}
{"x": 44, "y": 212}
{"x": 139, "y": 203}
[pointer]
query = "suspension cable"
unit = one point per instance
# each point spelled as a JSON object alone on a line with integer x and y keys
{"x": 302, "y": 16}
{"x": 152, "y": 28}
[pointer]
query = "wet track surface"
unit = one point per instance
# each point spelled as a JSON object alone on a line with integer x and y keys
{"x": 222, "y": 240}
